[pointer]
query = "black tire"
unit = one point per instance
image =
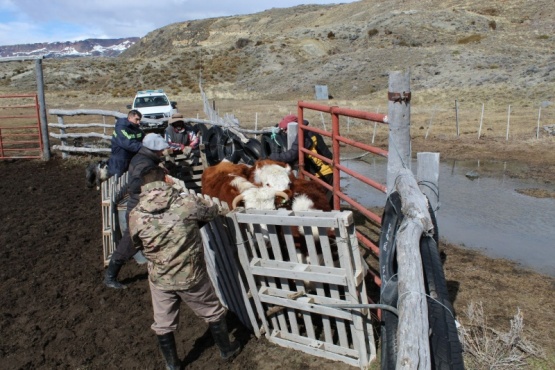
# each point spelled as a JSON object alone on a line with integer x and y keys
{"x": 445, "y": 348}
{"x": 273, "y": 144}
{"x": 391, "y": 220}
{"x": 213, "y": 147}
{"x": 230, "y": 143}
{"x": 253, "y": 148}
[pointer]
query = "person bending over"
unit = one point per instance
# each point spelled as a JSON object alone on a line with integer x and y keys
{"x": 165, "y": 226}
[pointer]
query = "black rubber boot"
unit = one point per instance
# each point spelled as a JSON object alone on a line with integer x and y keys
{"x": 221, "y": 337}
{"x": 111, "y": 275}
{"x": 169, "y": 351}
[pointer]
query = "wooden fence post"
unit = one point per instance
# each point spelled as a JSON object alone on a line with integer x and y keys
{"x": 427, "y": 174}
{"x": 399, "y": 126}
{"x": 538, "y": 128}
{"x": 508, "y": 122}
{"x": 481, "y": 120}
{"x": 42, "y": 110}
{"x": 414, "y": 346}
{"x": 457, "y": 116}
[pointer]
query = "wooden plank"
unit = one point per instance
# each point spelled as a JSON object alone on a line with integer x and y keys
{"x": 311, "y": 349}
{"x": 244, "y": 259}
{"x": 305, "y": 304}
{"x": 276, "y": 249}
{"x": 267, "y": 279}
{"x": 300, "y": 271}
{"x": 291, "y": 219}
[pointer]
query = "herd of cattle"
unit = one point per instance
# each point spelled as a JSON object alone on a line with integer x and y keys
{"x": 266, "y": 185}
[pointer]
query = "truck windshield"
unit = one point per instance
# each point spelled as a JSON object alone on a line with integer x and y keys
{"x": 151, "y": 101}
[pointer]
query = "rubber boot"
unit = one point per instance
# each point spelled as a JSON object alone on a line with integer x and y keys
{"x": 221, "y": 338}
{"x": 169, "y": 351}
{"x": 111, "y": 275}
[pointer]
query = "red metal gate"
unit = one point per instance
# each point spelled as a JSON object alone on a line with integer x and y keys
{"x": 335, "y": 162}
{"x": 20, "y": 129}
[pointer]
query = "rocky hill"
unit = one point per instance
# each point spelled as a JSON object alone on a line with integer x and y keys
{"x": 501, "y": 49}
{"x": 83, "y": 48}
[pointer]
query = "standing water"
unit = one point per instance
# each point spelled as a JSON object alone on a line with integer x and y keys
{"x": 486, "y": 213}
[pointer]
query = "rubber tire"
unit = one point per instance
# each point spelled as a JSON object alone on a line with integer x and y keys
{"x": 253, "y": 148}
{"x": 270, "y": 146}
{"x": 445, "y": 347}
{"x": 230, "y": 143}
{"x": 214, "y": 148}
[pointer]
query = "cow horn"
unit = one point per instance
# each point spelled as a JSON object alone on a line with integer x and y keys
{"x": 236, "y": 200}
{"x": 283, "y": 195}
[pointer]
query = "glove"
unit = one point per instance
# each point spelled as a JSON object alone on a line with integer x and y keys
{"x": 223, "y": 211}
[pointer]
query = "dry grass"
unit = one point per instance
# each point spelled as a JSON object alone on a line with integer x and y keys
{"x": 488, "y": 348}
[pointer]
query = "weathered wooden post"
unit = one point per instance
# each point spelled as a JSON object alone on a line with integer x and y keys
{"x": 414, "y": 350}
{"x": 63, "y": 139}
{"x": 42, "y": 110}
{"x": 427, "y": 174}
{"x": 398, "y": 117}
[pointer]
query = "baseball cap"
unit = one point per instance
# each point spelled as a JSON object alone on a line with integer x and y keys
{"x": 155, "y": 142}
{"x": 285, "y": 120}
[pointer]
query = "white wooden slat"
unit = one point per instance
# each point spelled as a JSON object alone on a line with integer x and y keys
{"x": 276, "y": 249}
{"x": 244, "y": 259}
{"x": 300, "y": 271}
{"x": 275, "y": 219}
{"x": 269, "y": 279}
{"x": 298, "y": 344}
{"x": 305, "y": 304}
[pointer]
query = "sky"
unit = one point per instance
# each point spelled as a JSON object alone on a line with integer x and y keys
{"x": 37, "y": 21}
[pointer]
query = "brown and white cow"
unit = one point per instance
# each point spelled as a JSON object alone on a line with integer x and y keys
{"x": 257, "y": 186}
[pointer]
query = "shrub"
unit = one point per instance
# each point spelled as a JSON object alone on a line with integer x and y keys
{"x": 470, "y": 39}
{"x": 373, "y": 32}
{"x": 492, "y": 25}
{"x": 331, "y": 35}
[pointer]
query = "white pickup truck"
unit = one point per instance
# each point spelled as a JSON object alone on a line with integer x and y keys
{"x": 154, "y": 104}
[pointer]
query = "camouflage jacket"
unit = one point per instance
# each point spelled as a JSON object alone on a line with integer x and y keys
{"x": 164, "y": 224}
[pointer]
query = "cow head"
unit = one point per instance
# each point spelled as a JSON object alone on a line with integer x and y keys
{"x": 255, "y": 197}
{"x": 273, "y": 175}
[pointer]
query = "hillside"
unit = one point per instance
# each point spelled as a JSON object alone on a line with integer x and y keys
{"x": 501, "y": 50}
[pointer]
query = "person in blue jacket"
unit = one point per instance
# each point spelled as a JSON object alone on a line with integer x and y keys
{"x": 126, "y": 142}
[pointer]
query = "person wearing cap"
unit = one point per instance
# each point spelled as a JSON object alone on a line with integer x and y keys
{"x": 125, "y": 143}
{"x": 165, "y": 226}
{"x": 313, "y": 142}
{"x": 178, "y": 136}
{"x": 150, "y": 155}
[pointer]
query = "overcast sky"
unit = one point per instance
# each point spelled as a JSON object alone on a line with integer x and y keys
{"x": 33, "y": 21}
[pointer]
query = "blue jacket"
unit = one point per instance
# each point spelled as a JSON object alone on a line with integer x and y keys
{"x": 126, "y": 142}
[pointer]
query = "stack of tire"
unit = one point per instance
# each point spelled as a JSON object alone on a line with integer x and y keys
{"x": 220, "y": 143}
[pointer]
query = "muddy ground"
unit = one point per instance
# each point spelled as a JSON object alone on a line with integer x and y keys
{"x": 57, "y": 314}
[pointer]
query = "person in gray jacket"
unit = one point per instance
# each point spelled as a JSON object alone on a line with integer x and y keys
{"x": 149, "y": 155}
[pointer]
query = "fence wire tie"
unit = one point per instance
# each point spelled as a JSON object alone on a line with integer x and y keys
{"x": 427, "y": 295}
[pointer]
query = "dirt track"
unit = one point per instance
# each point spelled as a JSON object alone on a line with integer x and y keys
{"x": 56, "y": 313}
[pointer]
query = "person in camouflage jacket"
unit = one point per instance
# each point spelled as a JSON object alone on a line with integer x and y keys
{"x": 165, "y": 226}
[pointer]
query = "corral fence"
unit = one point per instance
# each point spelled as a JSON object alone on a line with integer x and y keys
{"x": 20, "y": 129}
{"x": 320, "y": 303}
{"x": 21, "y": 142}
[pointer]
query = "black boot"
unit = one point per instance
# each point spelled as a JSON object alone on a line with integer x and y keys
{"x": 169, "y": 351}
{"x": 221, "y": 337}
{"x": 111, "y": 275}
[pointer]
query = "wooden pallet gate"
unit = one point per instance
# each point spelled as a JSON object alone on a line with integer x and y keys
{"x": 295, "y": 299}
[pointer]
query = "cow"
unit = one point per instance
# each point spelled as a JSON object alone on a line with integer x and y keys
{"x": 265, "y": 179}
{"x": 96, "y": 173}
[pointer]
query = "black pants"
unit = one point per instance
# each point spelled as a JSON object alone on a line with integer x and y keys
{"x": 125, "y": 248}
